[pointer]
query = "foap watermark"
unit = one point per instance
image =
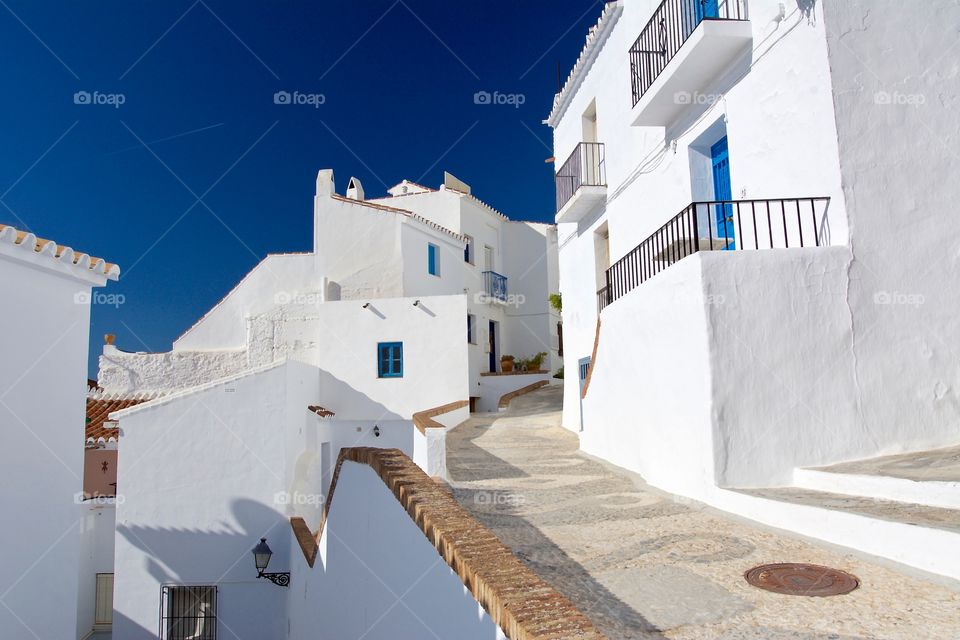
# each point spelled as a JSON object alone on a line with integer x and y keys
{"x": 512, "y": 99}
{"x": 892, "y": 298}
{"x": 296, "y": 297}
{"x": 95, "y": 97}
{"x": 99, "y": 297}
{"x": 282, "y": 498}
{"x": 81, "y": 498}
{"x": 699, "y": 299}
{"x": 508, "y": 299}
{"x": 498, "y": 498}
{"x": 897, "y": 98}
{"x": 686, "y": 97}
{"x": 310, "y": 99}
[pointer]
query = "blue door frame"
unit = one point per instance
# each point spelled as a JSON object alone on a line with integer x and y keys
{"x": 720, "y": 161}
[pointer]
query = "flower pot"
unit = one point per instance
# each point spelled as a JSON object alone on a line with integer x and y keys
{"x": 506, "y": 366}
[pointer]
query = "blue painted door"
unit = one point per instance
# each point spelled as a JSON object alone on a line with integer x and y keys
{"x": 583, "y": 367}
{"x": 493, "y": 347}
{"x": 722, "y": 191}
{"x": 706, "y": 9}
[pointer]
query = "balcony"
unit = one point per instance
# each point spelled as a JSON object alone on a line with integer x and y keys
{"x": 719, "y": 225}
{"x": 494, "y": 287}
{"x": 685, "y": 45}
{"x": 581, "y": 182}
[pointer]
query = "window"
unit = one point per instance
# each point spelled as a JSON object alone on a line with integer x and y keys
{"x": 471, "y": 328}
{"x": 468, "y": 250}
{"x": 188, "y": 613}
{"x": 390, "y": 360}
{"x": 433, "y": 259}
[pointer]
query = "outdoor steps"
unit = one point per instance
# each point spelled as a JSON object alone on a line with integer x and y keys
{"x": 933, "y": 493}
{"x": 923, "y": 477}
{"x": 921, "y": 536}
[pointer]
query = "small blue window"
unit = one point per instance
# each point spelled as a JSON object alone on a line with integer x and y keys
{"x": 471, "y": 328}
{"x": 390, "y": 359}
{"x": 433, "y": 260}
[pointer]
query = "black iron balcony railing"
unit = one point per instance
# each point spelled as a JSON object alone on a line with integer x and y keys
{"x": 720, "y": 225}
{"x": 584, "y": 167}
{"x": 495, "y": 285}
{"x": 669, "y": 27}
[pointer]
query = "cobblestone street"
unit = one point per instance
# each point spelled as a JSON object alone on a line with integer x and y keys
{"x": 643, "y": 564}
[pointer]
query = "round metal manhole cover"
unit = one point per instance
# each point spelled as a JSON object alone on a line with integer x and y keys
{"x": 798, "y": 579}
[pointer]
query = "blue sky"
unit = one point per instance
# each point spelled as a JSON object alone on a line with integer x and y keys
{"x": 198, "y": 174}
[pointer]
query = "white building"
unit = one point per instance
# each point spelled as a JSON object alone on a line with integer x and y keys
{"x": 402, "y": 307}
{"x": 756, "y": 195}
{"x": 44, "y": 333}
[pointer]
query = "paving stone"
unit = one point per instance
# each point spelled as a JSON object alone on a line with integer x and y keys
{"x": 643, "y": 564}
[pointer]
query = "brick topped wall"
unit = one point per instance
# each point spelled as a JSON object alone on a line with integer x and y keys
{"x": 519, "y": 602}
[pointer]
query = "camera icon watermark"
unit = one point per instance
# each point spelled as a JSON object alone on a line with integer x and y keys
{"x": 96, "y": 98}
{"x": 310, "y": 99}
{"x": 511, "y": 99}
{"x": 97, "y": 500}
{"x": 897, "y": 98}
{"x": 114, "y": 300}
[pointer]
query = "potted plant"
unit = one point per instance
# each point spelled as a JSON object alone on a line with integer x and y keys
{"x": 506, "y": 363}
{"x": 533, "y": 363}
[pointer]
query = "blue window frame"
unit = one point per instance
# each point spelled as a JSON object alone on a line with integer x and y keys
{"x": 389, "y": 359}
{"x": 433, "y": 259}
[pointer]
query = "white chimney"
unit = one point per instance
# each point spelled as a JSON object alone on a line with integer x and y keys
{"x": 354, "y": 189}
{"x": 325, "y": 185}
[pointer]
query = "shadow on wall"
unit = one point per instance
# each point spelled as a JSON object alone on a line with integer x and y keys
{"x": 349, "y": 403}
{"x": 176, "y": 556}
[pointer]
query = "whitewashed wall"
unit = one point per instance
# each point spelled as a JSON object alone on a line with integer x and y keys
{"x": 896, "y": 85}
{"x": 98, "y": 520}
{"x": 776, "y": 109}
{"x": 371, "y": 554}
{"x": 44, "y": 333}
{"x": 200, "y": 475}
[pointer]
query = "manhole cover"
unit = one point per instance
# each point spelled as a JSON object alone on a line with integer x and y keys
{"x": 798, "y": 579}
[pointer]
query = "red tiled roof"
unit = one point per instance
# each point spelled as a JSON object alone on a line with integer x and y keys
{"x": 320, "y": 411}
{"x": 58, "y": 251}
{"x": 98, "y": 410}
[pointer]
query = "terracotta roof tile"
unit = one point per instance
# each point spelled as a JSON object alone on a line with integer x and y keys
{"x": 320, "y": 411}
{"x": 58, "y": 252}
{"x": 99, "y": 408}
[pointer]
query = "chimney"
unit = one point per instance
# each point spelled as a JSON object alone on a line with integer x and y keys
{"x": 325, "y": 185}
{"x": 354, "y": 189}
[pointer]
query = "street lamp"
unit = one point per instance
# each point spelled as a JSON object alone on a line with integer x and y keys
{"x": 261, "y": 558}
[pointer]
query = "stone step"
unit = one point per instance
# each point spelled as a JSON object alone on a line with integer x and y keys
{"x": 920, "y": 536}
{"x": 929, "y": 478}
{"x": 931, "y": 493}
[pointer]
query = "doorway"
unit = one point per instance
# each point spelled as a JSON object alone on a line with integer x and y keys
{"x": 720, "y": 163}
{"x": 493, "y": 346}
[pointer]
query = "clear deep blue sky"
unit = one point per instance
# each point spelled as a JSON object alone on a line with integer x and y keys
{"x": 198, "y": 81}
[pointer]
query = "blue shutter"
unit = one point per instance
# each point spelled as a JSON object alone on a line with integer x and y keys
{"x": 432, "y": 259}
{"x": 390, "y": 360}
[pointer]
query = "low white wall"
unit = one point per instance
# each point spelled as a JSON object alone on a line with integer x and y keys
{"x": 377, "y": 576}
{"x": 98, "y": 520}
{"x": 492, "y": 388}
{"x": 784, "y": 390}
{"x": 648, "y": 406}
{"x": 199, "y": 477}
{"x": 123, "y": 372}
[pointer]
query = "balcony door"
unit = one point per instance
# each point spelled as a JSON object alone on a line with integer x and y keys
{"x": 706, "y": 9}
{"x": 488, "y": 258}
{"x": 720, "y": 160}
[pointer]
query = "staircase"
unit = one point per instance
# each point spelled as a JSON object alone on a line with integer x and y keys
{"x": 904, "y": 507}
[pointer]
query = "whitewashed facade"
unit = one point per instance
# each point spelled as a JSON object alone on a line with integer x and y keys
{"x": 44, "y": 333}
{"x": 257, "y": 398}
{"x": 817, "y": 329}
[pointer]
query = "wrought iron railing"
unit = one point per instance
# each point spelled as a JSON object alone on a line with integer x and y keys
{"x": 584, "y": 167}
{"x": 668, "y": 28}
{"x": 719, "y": 225}
{"x": 495, "y": 285}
